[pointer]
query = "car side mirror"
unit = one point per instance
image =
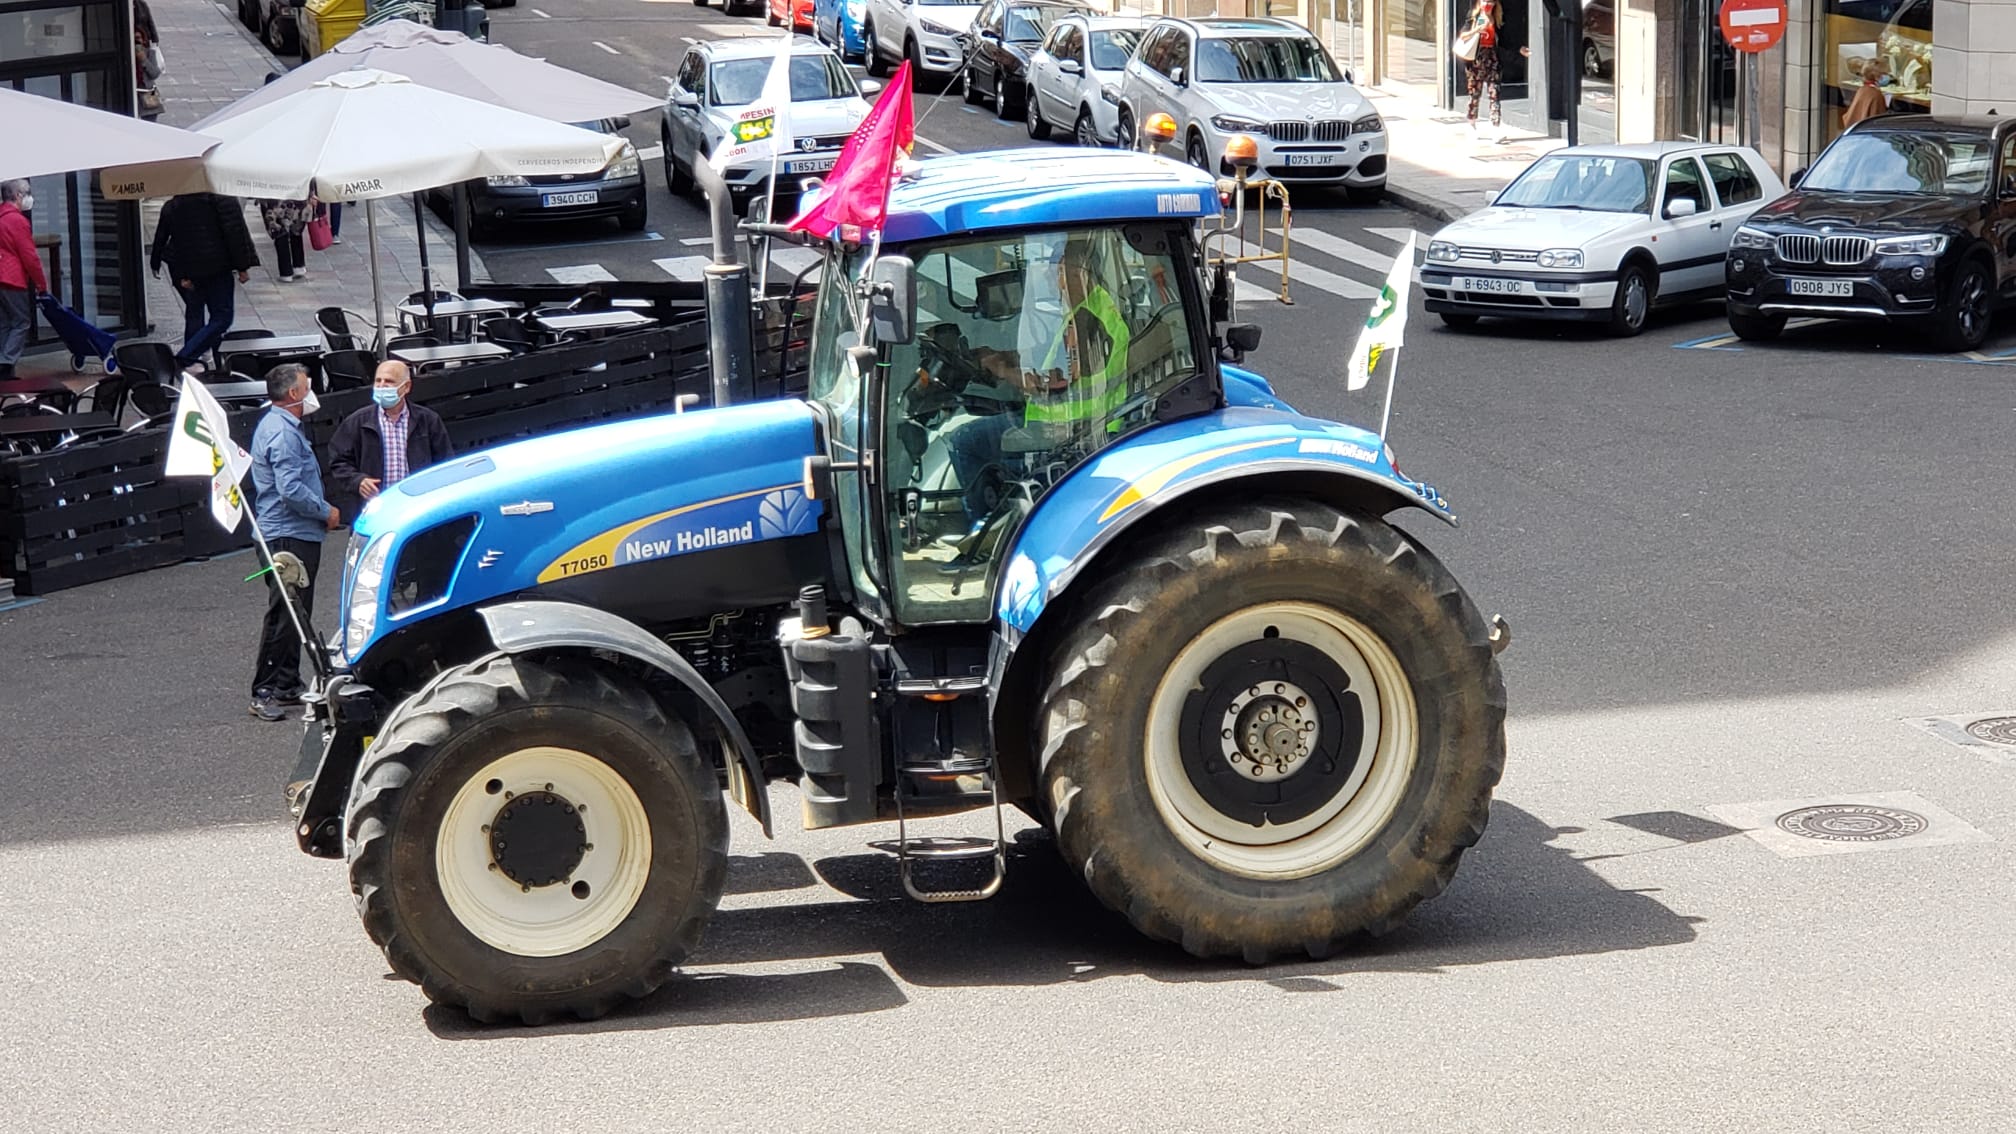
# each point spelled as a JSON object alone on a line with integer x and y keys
{"x": 620, "y": 122}
{"x": 1071, "y": 67}
{"x": 687, "y": 99}
{"x": 1798, "y": 175}
{"x": 871, "y": 86}
{"x": 892, "y": 299}
{"x": 990, "y": 35}
{"x": 1683, "y": 207}
{"x": 1176, "y": 76}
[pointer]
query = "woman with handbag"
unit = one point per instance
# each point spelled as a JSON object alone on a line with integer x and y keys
{"x": 285, "y": 222}
{"x": 1477, "y": 46}
{"x": 147, "y": 61}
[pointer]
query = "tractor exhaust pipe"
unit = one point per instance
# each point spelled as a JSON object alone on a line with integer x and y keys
{"x": 731, "y": 353}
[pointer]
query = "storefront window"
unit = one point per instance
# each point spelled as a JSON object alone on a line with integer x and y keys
{"x": 1599, "y": 71}
{"x": 1887, "y": 43}
{"x": 1412, "y": 53}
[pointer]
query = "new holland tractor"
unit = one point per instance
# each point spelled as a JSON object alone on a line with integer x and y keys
{"x": 1031, "y": 540}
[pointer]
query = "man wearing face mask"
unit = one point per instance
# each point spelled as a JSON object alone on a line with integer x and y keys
{"x": 20, "y": 273}
{"x": 385, "y": 442}
{"x": 293, "y": 516}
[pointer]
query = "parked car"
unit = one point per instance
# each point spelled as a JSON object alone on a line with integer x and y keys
{"x": 1599, "y": 234}
{"x": 497, "y": 203}
{"x": 1265, "y": 78}
{"x": 799, "y": 12}
{"x": 1075, "y": 77}
{"x": 837, "y": 24}
{"x": 1909, "y": 218}
{"x": 717, "y": 80}
{"x": 1599, "y": 38}
{"x": 1003, "y": 37}
{"x": 926, "y": 32}
{"x": 279, "y": 26}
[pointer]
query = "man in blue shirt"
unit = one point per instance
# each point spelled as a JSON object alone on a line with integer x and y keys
{"x": 288, "y": 503}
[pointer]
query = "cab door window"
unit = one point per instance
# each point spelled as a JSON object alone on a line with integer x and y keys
{"x": 1735, "y": 184}
{"x": 1032, "y": 353}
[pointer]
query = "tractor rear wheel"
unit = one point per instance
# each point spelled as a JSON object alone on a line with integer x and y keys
{"x": 1273, "y": 732}
{"x": 534, "y": 840}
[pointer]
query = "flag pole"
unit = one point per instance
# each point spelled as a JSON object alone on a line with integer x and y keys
{"x": 1386, "y": 414}
{"x": 301, "y": 628}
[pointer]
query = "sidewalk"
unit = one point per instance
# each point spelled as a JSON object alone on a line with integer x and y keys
{"x": 1438, "y": 166}
{"x": 213, "y": 61}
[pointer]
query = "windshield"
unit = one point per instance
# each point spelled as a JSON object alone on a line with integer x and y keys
{"x": 814, "y": 78}
{"x": 1031, "y": 24}
{"x": 1264, "y": 59}
{"x": 1582, "y": 181}
{"x": 1111, "y": 49}
{"x": 1892, "y": 161}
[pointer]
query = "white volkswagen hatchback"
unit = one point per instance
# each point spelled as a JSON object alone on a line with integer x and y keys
{"x": 1074, "y": 80}
{"x": 710, "y": 98}
{"x": 1599, "y": 234}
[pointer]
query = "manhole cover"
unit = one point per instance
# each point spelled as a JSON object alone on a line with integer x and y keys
{"x": 1994, "y": 730}
{"x": 1852, "y": 823}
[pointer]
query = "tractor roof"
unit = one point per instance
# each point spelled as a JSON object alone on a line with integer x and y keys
{"x": 1033, "y": 188}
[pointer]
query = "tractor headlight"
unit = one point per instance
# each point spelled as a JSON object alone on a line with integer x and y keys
{"x": 1928, "y": 245}
{"x": 1443, "y": 252}
{"x": 626, "y": 164}
{"x": 504, "y": 181}
{"x": 1560, "y": 258}
{"x": 364, "y": 584}
{"x": 1747, "y": 237}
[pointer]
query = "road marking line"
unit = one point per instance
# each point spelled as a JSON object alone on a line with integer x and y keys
{"x": 933, "y": 146}
{"x": 605, "y": 47}
{"x": 793, "y": 258}
{"x": 580, "y": 274}
{"x": 1399, "y": 235}
{"x": 683, "y": 267}
{"x": 650, "y": 153}
{"x": 1312, "y": 237}
{"x": 540, "y": 14}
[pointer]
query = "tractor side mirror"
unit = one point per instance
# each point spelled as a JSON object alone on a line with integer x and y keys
{"x": 1221, "y": 295}
{"x": 1243, "y": 337}
{"x": 892, "y": 300}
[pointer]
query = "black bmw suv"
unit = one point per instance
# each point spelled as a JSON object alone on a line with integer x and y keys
{"x": 1906, "y": 217}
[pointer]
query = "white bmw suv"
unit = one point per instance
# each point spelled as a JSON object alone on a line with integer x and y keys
{"x": 1266, "y": 78}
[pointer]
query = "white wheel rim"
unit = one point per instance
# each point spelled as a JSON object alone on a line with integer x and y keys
{"x": 1363, "y": 804}
{"x": 545, "y": 921}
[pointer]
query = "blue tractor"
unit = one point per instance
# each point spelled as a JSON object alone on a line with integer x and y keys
{"x": 1031, "y": 540}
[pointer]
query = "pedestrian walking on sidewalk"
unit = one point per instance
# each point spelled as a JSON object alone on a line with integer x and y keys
{"x": 21, "y": 275}
{"x": 293, "y": 516}
{"x": 1483, "y": 24}
{"x": 202, "y": 239}
{"x": 285, "y": 222}
{"x": 385, "y": 442}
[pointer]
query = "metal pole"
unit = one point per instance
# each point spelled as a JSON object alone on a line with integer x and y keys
{"x": 462, "y": 237}
{"x": 1753, "y": 94}
{"x": 730, "y": 348}
{"x": 377, "y": 292}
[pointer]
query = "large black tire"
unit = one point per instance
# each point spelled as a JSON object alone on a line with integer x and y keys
{"x": 1756, "y": 328}
{"x": 1032, "y": 116}
{"x": 876, "y": 66}
{"x": 1631, "y": 307}
{"x": 678, "y": 181}
{"x": 1962, "y": 322}
{"x": 1127, "y": 137}
{"x": 447, "y": 757}
{"x": 1244, "y": 588}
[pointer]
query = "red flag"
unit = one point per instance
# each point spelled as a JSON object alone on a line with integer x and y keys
{"x": 857, "y": 191}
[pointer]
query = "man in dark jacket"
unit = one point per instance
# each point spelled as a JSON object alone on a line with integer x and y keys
{"x": 203, "y": 239}
{"x": 385, "y": 442}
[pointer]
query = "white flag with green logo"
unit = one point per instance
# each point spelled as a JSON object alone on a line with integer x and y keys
{"x": 199, "y": 444}
{"x": 1387, "y": 324}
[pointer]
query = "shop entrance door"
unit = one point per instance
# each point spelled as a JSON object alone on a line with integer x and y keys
{"x": 1708, "y": 77}
{"x": 1516, "y": 88}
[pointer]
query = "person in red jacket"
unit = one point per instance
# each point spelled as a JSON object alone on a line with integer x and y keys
{"x": 1484, "y": 21}
{"x": 21, "y": 277}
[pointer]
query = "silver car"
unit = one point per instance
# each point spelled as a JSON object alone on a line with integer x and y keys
{"x": 1268, "y": 79}
{"x": 710, "y": 97}
{"x": 1075, "y": 77}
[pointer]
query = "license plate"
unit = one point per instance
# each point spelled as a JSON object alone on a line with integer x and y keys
{"x": 1486, "y": 284}
{"x": 556, "y": 200}
{"x": 810, "y": 165}
{"x": 1835, "y": 289}
{"x": 1314, "y": 159}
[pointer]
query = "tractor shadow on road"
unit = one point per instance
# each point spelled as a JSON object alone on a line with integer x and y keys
{"x": 1516, "y": 898}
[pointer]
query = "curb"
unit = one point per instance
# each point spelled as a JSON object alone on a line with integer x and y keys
{"x": 252, "y": 38}
{"x": 1427, "y": 204}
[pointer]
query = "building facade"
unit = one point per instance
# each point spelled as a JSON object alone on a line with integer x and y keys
{"x": 1638, "y": 70}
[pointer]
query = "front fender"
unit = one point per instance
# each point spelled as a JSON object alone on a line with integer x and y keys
{"x": 531, "y": 627}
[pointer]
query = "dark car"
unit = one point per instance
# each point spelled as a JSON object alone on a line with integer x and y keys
{"x": 617, "y": 191}
{"x": 1906, "y": 217}
{"x": 1004, "y": 35}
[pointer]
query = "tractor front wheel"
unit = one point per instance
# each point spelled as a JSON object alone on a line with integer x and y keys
{"x": 1273, "y": 732}
{"x": 534, "y": 840}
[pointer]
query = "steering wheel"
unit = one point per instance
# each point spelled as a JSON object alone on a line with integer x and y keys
{"x": 950, "y": 364}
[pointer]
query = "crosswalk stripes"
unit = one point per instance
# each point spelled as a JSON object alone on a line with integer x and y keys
{"x": 683, "y": 267}
{"x": 580, "y": 274}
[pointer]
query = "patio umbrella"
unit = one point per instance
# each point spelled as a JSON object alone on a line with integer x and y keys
{"x": 450, "y": 61}
{"x": 45, "y": 136}
{"x": 364, "y": 135}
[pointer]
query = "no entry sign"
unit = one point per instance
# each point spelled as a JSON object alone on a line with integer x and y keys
{"x": 1753, "y": 25}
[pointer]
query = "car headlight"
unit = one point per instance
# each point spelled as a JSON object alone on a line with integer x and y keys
{"x": 1443, "y": 252}
{"x": 1911, "y": 246}
{"x": 505, "y": 180}
{"x": 626, "y": 164}
{"x": 1370, "y": 124}
{"x": 364, "y": 585}
{"x": 1233, "y": 124}
{"x": 933, "y": 27}
{"x": 1561, "y": 258}
{"x": 1747, "y": 237}
{"x": 1110, "y": 94}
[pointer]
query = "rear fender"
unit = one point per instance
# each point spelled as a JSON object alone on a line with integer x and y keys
{"x": 542, "y": 627}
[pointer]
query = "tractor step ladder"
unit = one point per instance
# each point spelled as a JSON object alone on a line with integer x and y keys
{"x": 910, "y": 851}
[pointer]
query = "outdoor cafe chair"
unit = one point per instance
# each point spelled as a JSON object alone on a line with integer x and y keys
{"x": 510, "y": 331}
{"x": 240, "y": 334}
{"x": 337, "y": 332}
{"x": 348, "y": 369}
{"x": 154, "y": 362}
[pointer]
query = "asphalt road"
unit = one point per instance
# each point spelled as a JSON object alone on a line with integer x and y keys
{"x": 1734, "y": 577}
